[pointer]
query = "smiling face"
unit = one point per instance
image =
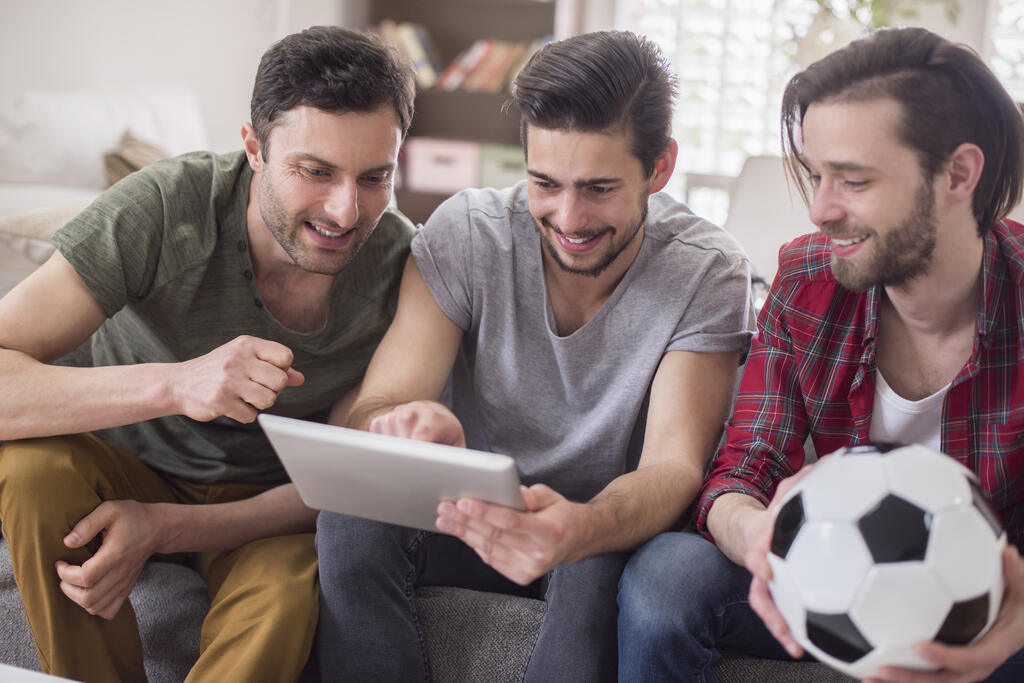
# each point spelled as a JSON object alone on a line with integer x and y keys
{"x": 588, "y": 197}
{"x": 869, "y": 196}
{"x": 326, "y": 182}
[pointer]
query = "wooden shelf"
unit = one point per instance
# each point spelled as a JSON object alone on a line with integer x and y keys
{"x": 464, "y": 115}
{"x": 454, "y": 25}
{"x": 417, "y": 206}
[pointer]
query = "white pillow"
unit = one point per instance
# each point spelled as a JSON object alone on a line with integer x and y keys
{"x": 60, "y": 137}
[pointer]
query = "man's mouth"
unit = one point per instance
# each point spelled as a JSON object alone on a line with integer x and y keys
{"x": 849, "y": 241}
{"x": 579, "y": 240}
{"x": 325, "y": 232}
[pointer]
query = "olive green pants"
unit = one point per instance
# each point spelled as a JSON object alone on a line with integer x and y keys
{"x": 263, "y": 595}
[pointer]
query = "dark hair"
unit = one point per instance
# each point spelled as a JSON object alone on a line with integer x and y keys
{"x": 334, "y": 70}
{"x": 599, "y": 82}
{"x": 948, "y": 96}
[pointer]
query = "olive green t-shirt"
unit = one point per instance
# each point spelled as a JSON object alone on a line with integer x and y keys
{"x": 165, "y": 252}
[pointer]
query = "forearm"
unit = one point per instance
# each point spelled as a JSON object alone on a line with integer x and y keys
{"x": 636, "y": 506}
{"x": 224, "y": 526}
{"x": 732, "y": 523}
{"x": 44, "y": 400}
{"x": 366, "y": 408}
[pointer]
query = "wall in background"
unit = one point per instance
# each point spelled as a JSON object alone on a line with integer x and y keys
{"x": 213, "y": 47}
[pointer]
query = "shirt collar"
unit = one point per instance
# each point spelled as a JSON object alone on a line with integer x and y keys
{"x": 992, "y": 277}
{"x": 993, "y": 280}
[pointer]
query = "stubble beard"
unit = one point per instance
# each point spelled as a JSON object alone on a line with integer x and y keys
{"x": 906, "y": 252}
{"x": 287, "y": 230}
{"x": 601, "y": 266}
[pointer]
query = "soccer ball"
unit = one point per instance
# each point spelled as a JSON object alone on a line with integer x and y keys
{"x": 881, "y": 547}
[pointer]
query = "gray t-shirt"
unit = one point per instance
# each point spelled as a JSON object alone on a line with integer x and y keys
{"x": 165, "y": 252}
{"x": 571, "y": 410}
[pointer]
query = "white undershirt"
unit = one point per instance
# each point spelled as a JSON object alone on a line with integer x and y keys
{"x": 898, "y": 420}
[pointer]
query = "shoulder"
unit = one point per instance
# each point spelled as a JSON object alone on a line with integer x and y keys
{"x": 394, "y": 227}
{"x": 676, "y": 230}
{"x": 807, "y": 258}
{"x": 482, "y": 214}
{"x": 1010, "y": 235}
{"x": 197, "y": 173}
{"x": 484, "y": 203}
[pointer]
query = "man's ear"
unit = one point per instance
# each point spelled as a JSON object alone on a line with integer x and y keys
{"x": 663, "y": 166}
{"x": 963, "y": 171}
{"x": 251, "y": 144}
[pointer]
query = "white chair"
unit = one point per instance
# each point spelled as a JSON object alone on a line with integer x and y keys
{"x": 765, "y": 212}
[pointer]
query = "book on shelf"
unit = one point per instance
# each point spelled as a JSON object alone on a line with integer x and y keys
{"x": 488, "y": 65}
{"x": 492, "y": 73}
{"x": 530, "y": 50}
{"x": 456, "y": 72}
{"x": 415, "y": 43}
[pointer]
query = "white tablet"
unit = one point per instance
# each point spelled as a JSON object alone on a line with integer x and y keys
{"x": 386, "y": 478}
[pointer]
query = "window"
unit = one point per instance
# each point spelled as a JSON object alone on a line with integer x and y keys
{"x": 732, "y": 58}
{"x": 1006, "y": 44}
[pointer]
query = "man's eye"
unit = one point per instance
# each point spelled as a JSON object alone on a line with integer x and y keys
{"x": 314, "y": 172}
{"x": 379, "y": 179}
{"x": 855, "y": 184}
{"x": 601, "y": 189}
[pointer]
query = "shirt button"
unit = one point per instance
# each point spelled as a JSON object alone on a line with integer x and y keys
{"x": 247, "y": 275}
{"x": 241, "y": 245}
{"x": 259, "y": 303}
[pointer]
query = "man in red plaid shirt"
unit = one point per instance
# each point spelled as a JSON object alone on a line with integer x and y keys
{"x": 901, "y": 320}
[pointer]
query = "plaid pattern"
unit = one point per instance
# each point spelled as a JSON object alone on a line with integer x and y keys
{"x": 811, "y": 370}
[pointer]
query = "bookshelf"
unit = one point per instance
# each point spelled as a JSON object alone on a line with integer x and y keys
{"x": 454, "y": 25}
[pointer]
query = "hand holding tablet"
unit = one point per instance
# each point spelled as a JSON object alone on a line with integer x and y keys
{"x": 386, "y": 478}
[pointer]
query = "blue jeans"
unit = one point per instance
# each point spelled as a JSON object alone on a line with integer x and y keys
{"x": 680, "y": 599}
{"x": 369, "y": 629}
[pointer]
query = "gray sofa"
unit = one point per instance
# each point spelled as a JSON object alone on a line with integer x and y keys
{"x": 471, "y": 636}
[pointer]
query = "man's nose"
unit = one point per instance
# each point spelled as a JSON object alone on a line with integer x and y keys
{"x": 342, "y": 205}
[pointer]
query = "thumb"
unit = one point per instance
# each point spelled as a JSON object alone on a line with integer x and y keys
{"x": 539, "y": 496}
{"x": 87, "y": 528}
{"x": 295, "y": 378}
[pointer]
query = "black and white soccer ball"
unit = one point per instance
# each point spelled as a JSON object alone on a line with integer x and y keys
{"x": 881, "y": 547}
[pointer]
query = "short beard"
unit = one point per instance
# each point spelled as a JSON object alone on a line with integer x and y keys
{"x": 596, "y": 270}
{"x": 905, "y": 254}
{"x": 277, "y": 221}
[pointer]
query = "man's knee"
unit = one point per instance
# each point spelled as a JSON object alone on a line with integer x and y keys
{"x": 48, "y": 461}
{"x": 43, "y": 478}
{"x": 352, "y": 545}
{"x": 595, "y": 578}
{"x": 28, "y": 462}
{"x": 674, "y": 578}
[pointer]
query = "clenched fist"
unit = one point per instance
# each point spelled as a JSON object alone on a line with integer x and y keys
{"x": 236, "y": 380}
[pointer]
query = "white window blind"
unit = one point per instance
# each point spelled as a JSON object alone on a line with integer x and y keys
{"x": 732, "y": 58}
{"x": 1006, "y": 44}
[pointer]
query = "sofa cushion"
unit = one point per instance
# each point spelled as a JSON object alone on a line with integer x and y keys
{"x": 59, "y": 137}
{"x": 170, "y": 602}
{"x": 470, "y": 635}
{"x": 131, "y": 154}
{"x": 476, "y": 636}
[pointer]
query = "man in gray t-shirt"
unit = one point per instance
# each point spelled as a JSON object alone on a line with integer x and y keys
{"x": 218, "y": 285}
{"x": 581, "y": 322}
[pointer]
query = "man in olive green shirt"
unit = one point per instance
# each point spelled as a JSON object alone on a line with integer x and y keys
{"x": 218, "y": 286}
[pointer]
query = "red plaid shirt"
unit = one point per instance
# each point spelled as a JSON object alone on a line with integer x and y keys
{"x": 811, "y": 370}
